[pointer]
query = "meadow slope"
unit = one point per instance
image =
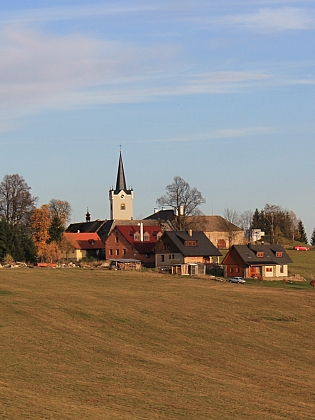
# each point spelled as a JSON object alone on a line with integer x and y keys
{"x": 95, "y": 344}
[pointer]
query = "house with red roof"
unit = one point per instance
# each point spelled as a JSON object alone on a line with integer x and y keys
{"x": 133, "y": 242}
{"x": 84, "y": 244}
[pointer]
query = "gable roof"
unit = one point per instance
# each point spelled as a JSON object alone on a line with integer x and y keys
{"x": 248, "y": 254}
{"x": 84, "y": 240}
{"x": 204, "y": 247}
{"x": 213, "y": 224}
{"x": 101, "y": 227}
{"x": 162, "y": 215}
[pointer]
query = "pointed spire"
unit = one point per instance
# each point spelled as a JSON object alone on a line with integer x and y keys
{"x": 87, "y": 216}
{"x": 121, "y": 180}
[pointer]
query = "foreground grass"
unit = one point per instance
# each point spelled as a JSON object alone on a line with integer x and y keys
{"x": 89, "y": 344}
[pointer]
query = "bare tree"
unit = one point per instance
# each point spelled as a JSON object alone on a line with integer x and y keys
{"x": 16, "y": 201}
{"x": 183, "y": 199}
{"x": 61, "y": 209}
{"x": 245, "y": 219}
{"x": 231, "y": 222}
{"x": 232, "y": 216}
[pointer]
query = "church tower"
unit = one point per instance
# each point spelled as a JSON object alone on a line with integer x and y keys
{"x": 121, "y": 198}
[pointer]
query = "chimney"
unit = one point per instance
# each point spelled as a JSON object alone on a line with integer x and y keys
{"x": 141, "y": 231}
{"x": 190, "y": 232}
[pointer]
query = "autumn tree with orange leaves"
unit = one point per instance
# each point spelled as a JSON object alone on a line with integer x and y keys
{"x": 47, "y": 226}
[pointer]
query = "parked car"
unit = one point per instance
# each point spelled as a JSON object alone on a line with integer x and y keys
{"x": 237, "y": 280}
{"x": 301, "y": 248}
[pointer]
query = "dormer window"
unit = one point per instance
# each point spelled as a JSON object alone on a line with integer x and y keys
{"x": 146, "y": 236}
{"x": 190, "y": 243}
{"x": 136, "y": 236}
{"x": 260, "y": 254}
{"x": 279, "y": 254}
{"x": 92, "y": 242}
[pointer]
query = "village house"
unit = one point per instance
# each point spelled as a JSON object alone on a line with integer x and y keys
{"x": 258, "y": 261}
{"x": 133, "y": 242}
{"x": 222, "y": 233}
{"x": 185, "y": 251}
{"x": 83, "y": 245}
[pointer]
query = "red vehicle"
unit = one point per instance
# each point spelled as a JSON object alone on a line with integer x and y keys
{"x": 301, "y": 248}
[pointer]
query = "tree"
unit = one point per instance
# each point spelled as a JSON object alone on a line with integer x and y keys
{"x": 302, "y": 234}
{"x": 245, "y": 219}
{"x": 313, "y": 238}
{"x": 231, "y": 220}
{"x": 40, "y": 223}
{"x": 61, "y": 209}
{"x": 183, "y": 199}
{"x": 16, "y": 201}
{"x": 17, "y": 242}
{"x": 55, "y": 230}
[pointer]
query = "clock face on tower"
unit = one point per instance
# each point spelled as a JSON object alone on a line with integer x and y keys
{"x": 122, "y": 196}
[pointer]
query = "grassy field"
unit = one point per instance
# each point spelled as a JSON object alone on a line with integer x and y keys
{"x": 97, "y": 344}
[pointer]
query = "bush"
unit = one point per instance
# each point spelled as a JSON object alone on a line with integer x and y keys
{"x": 8, "y": 259}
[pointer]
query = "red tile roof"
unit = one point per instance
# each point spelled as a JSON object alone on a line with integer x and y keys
{"x": 128, "y": 232}
{"x": 84, "y": 240}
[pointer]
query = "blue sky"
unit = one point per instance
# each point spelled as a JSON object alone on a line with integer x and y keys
{"x": 220, "y": 93}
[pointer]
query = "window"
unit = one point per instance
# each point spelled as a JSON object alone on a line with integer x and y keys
{"x": 117, "y": 251}
{"x": 110, "y": 252}
{"x": 231, "y": 270}
{"x": 279, "y": 254}
{"x": 169, "y": 256}
{"x": 237, "y": 270}
{"x": 281, "y": 269}
{"x": 136, "y": 236}
{"x": 116, "y": 239}
{"x": 190, "y": 243}
{"x": 260, "y": 254}
{"x": 269, "y": 269}
{"x": 166, "y": 246}
{"x": 146, "y": 236}
{"x": 162, "y": 258}
{"x": 221, "y": 243}
{"x": 124, "y": 251}
{"x": 123, "y": 206}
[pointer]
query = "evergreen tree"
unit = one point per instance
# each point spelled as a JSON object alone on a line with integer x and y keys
{"x": 56, "y": 229}
{"x": 313, "y": 238}
{"x": 302, "y": 234}
{"x": 256, "y": 220}
{"x": 16, "y": 241}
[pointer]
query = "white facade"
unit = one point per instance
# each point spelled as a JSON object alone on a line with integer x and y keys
{"x": 121, "y": 205}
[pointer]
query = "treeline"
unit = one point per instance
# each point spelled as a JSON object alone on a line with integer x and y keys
{"x": 28, "y": 233}
{"x": 277, "y": 222}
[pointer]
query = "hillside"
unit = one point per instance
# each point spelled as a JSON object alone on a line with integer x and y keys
{"x": 89, "y": 344}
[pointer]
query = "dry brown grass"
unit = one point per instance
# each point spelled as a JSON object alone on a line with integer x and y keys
{"x": 93, "y": 344}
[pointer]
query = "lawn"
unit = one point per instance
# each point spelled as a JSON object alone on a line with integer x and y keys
{"x": 97, "y": 344}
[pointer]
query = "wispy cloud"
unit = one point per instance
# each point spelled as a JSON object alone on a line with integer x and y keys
{"x": 228, "y": 133}
{"x": 273, "y": 19}
{"x": 41, "y": 71}
{"x": 24, "y": 16}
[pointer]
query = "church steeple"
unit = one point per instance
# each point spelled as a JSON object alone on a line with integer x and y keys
{"x": 121, "y": 198}
{"x": 121, "y": 180}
